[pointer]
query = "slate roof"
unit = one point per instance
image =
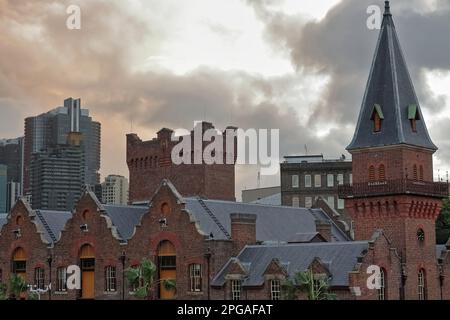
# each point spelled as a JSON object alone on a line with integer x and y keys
{"x": 303, "y": 237}
{"x": 273, "y": 200}
{"x": 390, "y": 87}
{"x": 52, "y": 223}
{"x": 273, "y": 223}
{"x": 339, "y": 257}
{"x": 125, "y": 218}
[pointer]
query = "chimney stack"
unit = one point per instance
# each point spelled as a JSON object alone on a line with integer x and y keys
{"x": 324, "y": 229}
{"x": 243, "y": 231}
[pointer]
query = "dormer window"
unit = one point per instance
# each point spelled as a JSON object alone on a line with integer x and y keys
{"x": 377, "y": 117}
{"x": 413, "y": 116}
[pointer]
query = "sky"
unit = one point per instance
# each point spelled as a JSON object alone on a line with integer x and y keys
{"x": 295, "y": 65}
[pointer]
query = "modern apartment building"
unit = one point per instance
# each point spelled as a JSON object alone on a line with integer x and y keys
{"x": 115, "y": 190}
{"x": 11, "y": 155}
{"x": 51, "y": 129}
{"x": 306, "y": 178}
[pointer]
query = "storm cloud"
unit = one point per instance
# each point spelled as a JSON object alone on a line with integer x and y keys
{"x": 42, "y": 62}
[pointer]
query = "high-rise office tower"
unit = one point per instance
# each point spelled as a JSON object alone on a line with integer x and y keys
{"x": 48, "y": 130}
{"x": 11, "y": 155}
{"x": 57, "y": 175}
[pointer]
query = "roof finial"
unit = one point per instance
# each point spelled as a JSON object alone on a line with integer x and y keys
{"x": 387, "y": 8}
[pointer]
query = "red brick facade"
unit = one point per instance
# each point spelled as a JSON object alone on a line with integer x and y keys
{"x": 150, "y": 162}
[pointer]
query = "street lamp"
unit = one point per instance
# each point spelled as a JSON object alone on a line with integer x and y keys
{"x": 122, "y": 259}
{"x": 207, "y": 256}
{"x": 49, "y": 261}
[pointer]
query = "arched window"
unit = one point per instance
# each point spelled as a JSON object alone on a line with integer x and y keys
{"x": 87, "y": 261}
{"x": 146, "y": 162}
{"x": 167, "y": 267}
{"x": 19, "y": 220}
{"x": 421, "y": 285}
{"x": 421, "y": 173}
{"x": 19, "y": 266}
{"x": 382, "y": 291}
{"x": 415, "y": 172}
{"x": 381, "y": 172}
{"x": 371, "y": 173}
{"x": 420, "y": 235}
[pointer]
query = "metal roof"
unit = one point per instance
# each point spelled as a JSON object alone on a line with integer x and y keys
{"x": 340, "y": 258}
{"x": 52, "y": 223}
{"x": 125, "y": 218}
{"x": 273, "y": 223}
{"x": 391, "y": 91}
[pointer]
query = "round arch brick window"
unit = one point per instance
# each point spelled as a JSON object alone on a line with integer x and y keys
{"x": 86, "y": 215}
{"x": 19, "y": 220}
{"x": 165, "y": 208}
{"x": 420, "y": 235}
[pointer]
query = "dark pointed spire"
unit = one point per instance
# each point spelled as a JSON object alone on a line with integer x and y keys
{"x": 387, "y": 9}
{"x": 390, "y": 112}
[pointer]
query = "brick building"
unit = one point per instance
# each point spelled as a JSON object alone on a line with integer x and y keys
{"x": 218, "y": 249}
{"x": 150, "y": 161}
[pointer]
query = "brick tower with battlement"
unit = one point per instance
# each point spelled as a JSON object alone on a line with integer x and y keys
{"x": 149, "y": 162}
{"x": 393, "y": 186}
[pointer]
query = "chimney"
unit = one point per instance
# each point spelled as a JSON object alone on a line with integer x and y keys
{"x": 323, "y": 227}
{"x": 243, "y": 231}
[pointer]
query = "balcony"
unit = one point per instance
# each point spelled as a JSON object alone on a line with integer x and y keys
{"x": 394, "y": 187}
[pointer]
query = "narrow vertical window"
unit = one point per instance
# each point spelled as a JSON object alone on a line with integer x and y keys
{"x": 195, "y": 276}
{"x": 413, "y": 116}
{"x": 371, "y": 173}
{"x": 340, "y": 179}
{"x": 61, "y": 279}
{"x": 295, "y": 181}
{"x": 382, "y": 172}
{"x": 317, "y": 181}
{"x": 275, "y": 289}
{"x": 421, "y": 286}
{"x": 421, "y": 173}
{"x": 110, "y": 279}
{"x": 377, "y": 117}
{"x": 236, "y": 287}
{"x": 415, "y": 172}
{"x": 330, "y": 180}
{"x": 307, "y": 181}
{"x": 39, "y": 278}
{"x": 382, "y": 290}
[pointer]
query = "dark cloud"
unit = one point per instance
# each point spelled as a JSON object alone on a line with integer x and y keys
{"x": 341, "y": 46}
{"x": 42, "y": 62}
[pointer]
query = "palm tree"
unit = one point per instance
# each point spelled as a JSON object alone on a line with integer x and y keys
{"x": 17, "y": 286}
{"x": 316, "y": 289}
{"x": 143, "y": 278}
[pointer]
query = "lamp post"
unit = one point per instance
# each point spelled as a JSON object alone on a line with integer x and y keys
{"x": 207, "y": 256}
{"x": 49, "y": 261}
{"x": 123, "y": 258}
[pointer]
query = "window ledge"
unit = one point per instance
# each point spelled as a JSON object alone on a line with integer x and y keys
{"x": 195, "y": 293}
{"x": 110, "y": 293}
{"x": 61, "y": 293}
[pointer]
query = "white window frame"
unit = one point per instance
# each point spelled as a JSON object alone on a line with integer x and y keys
{"x": 308, "y": 202}
{"x": 110, "y": 279}
{"x": 308, "y": 181}
{"x": 61, "y": 279}
{"x": 236, "y": 289}
{"x": 341, "y": 204}
{"x": 295, "y": 183}
{"x": 330, "y": 180}
{"x": 39, "y": 278}
{"x": 340, "y": 179}
{"x": 275, "y": 289}
{"x": 195, "y": 275}
{"x": 350, "y": 178}
{"x": 317, "y": 181}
